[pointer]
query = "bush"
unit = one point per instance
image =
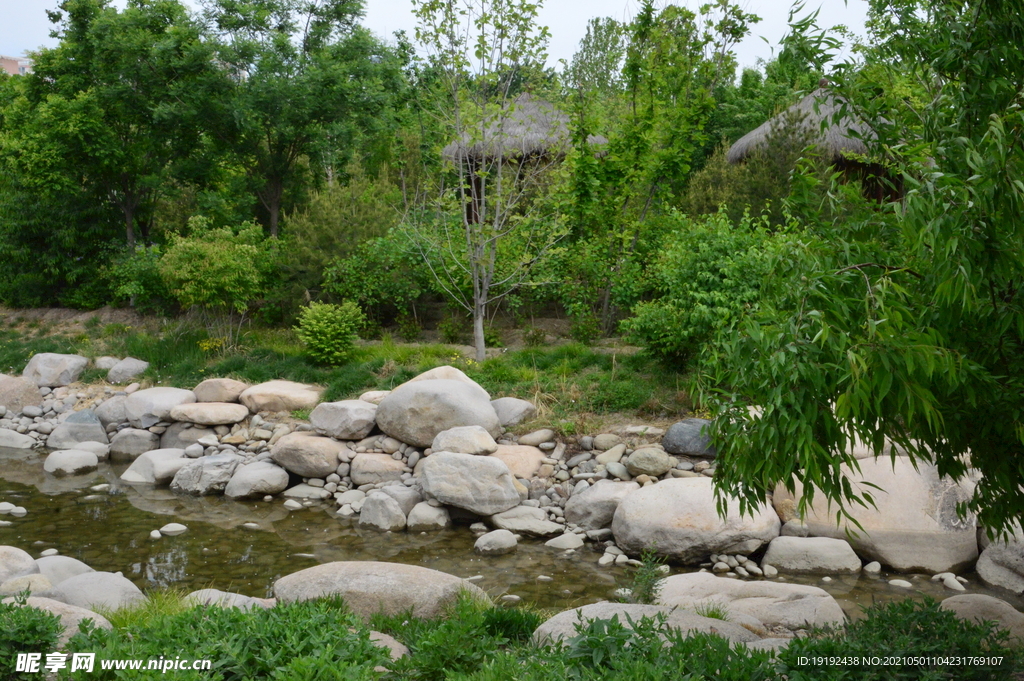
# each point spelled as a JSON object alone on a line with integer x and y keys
{"x": 330, "y": 331}
{"x": 135, "y": 277}
{"x": 24, "y": 630}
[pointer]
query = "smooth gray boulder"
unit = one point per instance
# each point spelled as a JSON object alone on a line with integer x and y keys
{"x": 651, "y": 461}
{"x": 210, "y": 413}
{"x": 105, "y": 363}
{"x": 381, "y": 512}
{"x": 307, "y": 455}
{"x": 980, "y": 608}
{"x": 70, "y": 462}
{"x": 345, "y": 420}
{"x": 127, "y": 369}
{"x": 812, "y": 556}
{"x": 71, "y": 616}
{"x": 128, "y": 444}
{"x": 156, "y": 467}
{"x": 18, "y": 392}
{"x": 372, "y": 469}
{"x": 146, "y": 408}
{"x": 206, "y": 475}
{"x": 496, "y": 543}
{"x": 219, "y": 390}
{"x": 59, "y": 568}
{"x": 479, "y": 484}
{"x": 52, "y": 370}
{"x": 595, "y": 507}
{"x": 181, "y": 435}
{"x": 12, "y": 439}
{"x": 426, "y": 518}
{"x": 112, "y": 410}
{"x": 92, "y": 590}
{"x": 512, "y": 411}
{"x": 79, "y": 426}
{"x": 465, "y": 440}
{"x": 1002, "y": 564}
{"x": 417, "y": 411}
{"x": 689, "y": 437}
{"x": 256, "y": 479}
{"x": 276, "y": 396}
{"x": 527, "y": 520}
{"x": 15, "y": 563}
{"x": 407, "y": 497}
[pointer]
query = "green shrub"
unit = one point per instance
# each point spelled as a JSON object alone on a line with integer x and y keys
{"x": 453, "y": 328}
{"x": 24, "y": 630}
{"x": 329, "y": 331}
{"x": 135, "y": 278}
{"x": 647, "y": 579}
{"x": 534, "y": 337}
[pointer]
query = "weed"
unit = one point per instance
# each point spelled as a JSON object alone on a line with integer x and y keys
{"x": 647, "y": 578}
{"x": 711, "y": 610}
{"x": 302, "y": 414}
{"x": 534, "y": 337}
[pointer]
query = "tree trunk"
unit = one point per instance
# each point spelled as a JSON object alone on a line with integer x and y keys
{"x": 275, "y": 210}
{"x": 479, "y": 313}
{"x": 129, "y": 227}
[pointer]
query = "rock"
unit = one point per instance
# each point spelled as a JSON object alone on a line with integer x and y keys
{"x": 374, "y": 396}
{"x": 606, "y": 441}
{"x": 979, "y": 608}
{"x": 901, "y": 583}
{"x": 444, "y": 373}
{"x": 129, "y": 443}
{"x": 526, "y": 520}
{"x": 496, "y": 543}
{"x": 226, "y": 599}
{"x": 59, "y": 568}
{"x": 512, "y": 411}
{"x": 173, "y": 529}
{"x": 127, "y": 369}
{"x": 305, "y": 491}
{"x": 210, "y": 413}
{"x": 479, "y": 484}
{"x": 689, "y": 437}
{"x": 10, "y": 439}
{"x": 16, "y": 563}
{"x": 292, "y": 505}
{"x": 105, "y": 363}
{"x": 70, "y": 462}
{"x": 280, "y": 396}
{"x": 345, "y": 420}
{"x": 950, "y": 582}
{"x": 562, "y": 626}
{"x": 70, "y": 617}
{"x": 537, "y": 437}
{"x": 382, "y": 512}
{"x": 776, "y": 604}
{"x": 680, "y": 517}
{"x": 650, "y": 461}
{"x": 219, "y": 390}
{"x": 417, "y": 411}
{"x": 465, "y": 440}
{"x": 915, "y": 526}
{"x": 256, "y": 479}
{"x": 524, "y": 462}
{"x": 613, "y": 455}
{"x": 617, "y": 470}
{"x": 149, "y": 407}
{"x": 873, "y": 568}
{"x": 569, "y": 540}
{"x": 375, "y": 468}
{"x": 369, "y": 587}
{"x": 812, "y": 556}
{"x": 51, "y": 370}
{"x": 407, "y": 497}
{"x": 183, "y": 435}
{"x": 34, "y": 584}
{"x": 79, "y": 426}
{"x": 307, "y": 455}
{"x": 595, "y": 507}
{"x": 207, "y": 475}
{"x": 394, "y": 648}
{"x": 425, "y": 518}
{"x": 92, "y": 590}
{"x": 112, "y": 410}
{"x": 18, "y": 392}
{"x": 1002, "y": 564}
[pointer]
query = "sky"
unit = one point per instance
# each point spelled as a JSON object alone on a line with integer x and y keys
{"x": 24, "y": 26}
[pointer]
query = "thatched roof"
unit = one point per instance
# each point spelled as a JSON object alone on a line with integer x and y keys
{"x": 526, "y": 127}
{"x": 834, "y": 142}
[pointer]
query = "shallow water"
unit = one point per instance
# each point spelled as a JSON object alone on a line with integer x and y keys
{"x": 109, "y": 531}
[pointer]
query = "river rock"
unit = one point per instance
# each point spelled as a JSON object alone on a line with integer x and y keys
{"x": 650, "y": 461}
{"x": 606, "y": 441}
{"x": 689, "y": 437}
{"x": 444, "y": 373}
{"x": 479, "y": 484}
{"x": 112, "y": 410}
{"x": 527, "y": 520}
{"x": 407, "y": 497}
{"x": 12, "y": 439}
{"x": 562, "y": 626}
{"x": 465, "y": 440}
{"x": 59, "y": 568}
{"x": 595, "y": 507}
{"x": 156, "y": 467}
{"x": 127, "y": 369}
{"x": 512, "y": 411}
{"x": 345, "y": 420}
{"x": 70, "y": 462}
{"x": 417, "y": 411}
{"x": 219, "y": 390}
{"x": 915, "y": 526}
{"x": 980, "y": 608}
{"x": 210, "y": 413}
{"x": 256, "y": 480}
{"x": 206, "y": 475}
{"x": 381, "y": 512}
{"x": 18, "y": 392}
{"x": 537, "y": 437}
{"x": 569, "y": 540}
{"x": 425, "y": 518}
{"x": 280, "y": 396}
{"x": 226, "y": 599}
{"x": 304, "y": 491}
{"x": 79, "y": 426}
{"x": 374, "y": 396}
{"x": 776, "y": 604}
{"x": 70, "y": 617}
{"x": 34, "y": 584}
{"x": 679, "y": 518}
{"x": 15, "y": 563}
{"x": 812, "y": 556}
{"x": 369, "y": 587}
{"x": 496, "y": 543}
{"x": 524, "y": 462}
{"x": 146, "y": 408}
{"x": 129, "y": 443}
{"x": 1002, "y": 564}
{"x": 52, "y": 370}
{"x": 182, "y": 435}
{"x": 307, "y": 455}
{"x": 375, "y": 468}
{"x": 105, "y": 363}
{"x": 92, "y": 590}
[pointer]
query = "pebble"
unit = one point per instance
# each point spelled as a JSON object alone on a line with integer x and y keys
{"x": 545, "y": 578}
{"x": 18, "y": 511}
{"x": 621, "y": 559}
{"x": 606, "y": 559}
{"x": 510, "y": 598}
{"x": 292, "y": 505}
{"x": 901, "y": 583}
{"x": 474, "y": 578}
{"x": 873, "y": 568}
{"x": 769, "y": 570}
{"x": 155, "y": 534}
{"x": 950, "y": 582}
{"x": 251, "y": 526}
{"x": 172, "y": 529}
{"x": 826, "y": 579}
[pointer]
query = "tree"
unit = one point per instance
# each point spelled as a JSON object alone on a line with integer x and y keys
{"x": 899, "y": 323}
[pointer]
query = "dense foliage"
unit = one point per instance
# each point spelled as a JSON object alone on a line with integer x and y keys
{"x": 329, "y": 331}
{"x": 24, "y": 630}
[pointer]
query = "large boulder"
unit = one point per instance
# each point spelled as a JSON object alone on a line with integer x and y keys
{"x": 527, "y": 520}
{"x": 71, "y": 616}
{"x": 914, "y": 526}
{"x": 980, "y": 608}
{"x": 812, "y": 556}
{"x": 12, "y": 439}
{"x": 407, "y": 497}
{"x": 679, "y": 518}
{"x": 206, "y": 475}
{"x": 425, "y": 518}
{"x": 70, "y": 462}
{"x": 369, "y": 587}
{"x": 156, "y": 467}
{"x": 219, "y": 390}
{"x": 775, "y": 604}
{"x": 1002, "y": 564}
{"x": 112, "y": 410}
{"x": 128, "y": 444}
{"x": 256, "y": 479}
{"x": 562, "y": 626}
{"x": 688, "y": 437}
{"x": 210, "y": 413}
{"x": 479, "y": 484}
{"x": 59, "y": 568}
{"x": 146, "y": 408}
{"x": 444, "y": 373}
{"x": 92, "y": 590}
{"x": 127, "y": 369}
{"x": 307, "y": 455}
{"x": 18, "y": 392}
{"x": 651, "y": 461}
{"x": 522, "y": 460}
{"x": 372, "y": 469}
{"x": 465, "y": 440}
{"x": 417, "y": 411}
{"x": 79, "y": 426}
{"x": 51, "y": 370}
{"x": 512, "y": 411}
{"x": 594, "y": 507}
{"x": 496, "y": 543}
{"x": 280, "y": 396}
{"x": 345, "y": 420}
{"x": 381, "y": 512}
{"x": 180, "y": 435}
{"x": 15, "y": 563}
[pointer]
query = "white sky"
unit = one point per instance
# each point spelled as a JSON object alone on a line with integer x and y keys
{"x": 24, "y": 26}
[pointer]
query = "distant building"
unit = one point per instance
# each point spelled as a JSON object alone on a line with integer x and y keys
{"x": 16, "y": 66}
